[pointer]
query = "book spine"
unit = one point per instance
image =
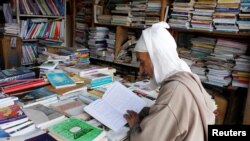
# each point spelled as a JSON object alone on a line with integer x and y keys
{"x": 12, "y": 119}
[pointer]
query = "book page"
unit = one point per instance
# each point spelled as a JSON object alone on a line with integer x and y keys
{"x": 123, "y": 99}
{"x": 106, "y": 114}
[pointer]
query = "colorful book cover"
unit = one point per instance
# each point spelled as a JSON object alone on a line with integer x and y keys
{"x": 74, "y": 129}
{"x": 36, "y": 95}
{"x": 59, "y": 79}
{"x": 11, "y": 113}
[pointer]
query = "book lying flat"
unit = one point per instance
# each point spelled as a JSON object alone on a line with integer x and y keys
{"x": 71, "y": 107}
{"x": 36, "y": 95}
{"x": 74, "y": 129}
{"x": 114, "y": 104}
{"x": 43, "y": 116}
{"x": 59, "y": 79}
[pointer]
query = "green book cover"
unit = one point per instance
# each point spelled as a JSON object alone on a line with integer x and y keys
{"x": 74, "y": 129}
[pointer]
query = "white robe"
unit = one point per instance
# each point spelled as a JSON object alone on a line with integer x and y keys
{"x": 181, "y": 112}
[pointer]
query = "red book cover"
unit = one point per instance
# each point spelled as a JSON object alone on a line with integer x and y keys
{"x": 57, "y": 30}
{"x": 24, "y": 86}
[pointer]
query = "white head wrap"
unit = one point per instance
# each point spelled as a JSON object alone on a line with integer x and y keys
{"x": 161, "y": 46}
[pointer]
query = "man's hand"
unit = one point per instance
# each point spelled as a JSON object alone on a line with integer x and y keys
{"x": 132, "y": 118}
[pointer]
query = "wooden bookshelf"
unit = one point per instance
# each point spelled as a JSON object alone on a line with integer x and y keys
{"x": 216, "y": 33}
{"x": 11, "y": 55}
{"x": 236, "y": 99}
{"x": 115, "y": 62}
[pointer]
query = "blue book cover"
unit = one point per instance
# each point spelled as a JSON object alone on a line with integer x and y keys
{"x": 15, "y": 71}
{"x": 42, "y": 137}
{"x": 59, "y": 79}
{"x": 3, "y": 134}
{"x": 36, "y": 95}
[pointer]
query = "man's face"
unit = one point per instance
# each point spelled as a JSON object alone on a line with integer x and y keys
{"x": 146, "y": 67}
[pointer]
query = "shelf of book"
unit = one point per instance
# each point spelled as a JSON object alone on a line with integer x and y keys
{"x": 41, "y": 16}
{"x": 215, "y": 27}
{"x": 223, "y": 33}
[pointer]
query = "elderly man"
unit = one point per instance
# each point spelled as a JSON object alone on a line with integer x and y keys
{"x": 183, "y": 109}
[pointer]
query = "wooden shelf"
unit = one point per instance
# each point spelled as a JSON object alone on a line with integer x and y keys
{"x": 235, "y": 34}
{"x": 29, "y": 40}
{"x": 28, "y": 64}
{"x": 113, "y": 25}
{"x": 41, "y": 16}
{"x": 114, "y": 62}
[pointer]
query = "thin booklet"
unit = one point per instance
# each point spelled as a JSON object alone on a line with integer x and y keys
{"x": 114, "y": 104}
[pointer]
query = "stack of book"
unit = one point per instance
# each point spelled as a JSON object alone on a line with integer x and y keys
{"x": 76, "y": 55}
{"x": 11, "y": 29}
{"x": 83, "y": 18}
{"x": 121, "y": 15}
{"x": 14, "y": 122}
{"x": 138, "y": 13}
{"x": 110, "y": 53}
{"x": 221, "y": 62}
{"x": 225, "y": 15}
{"x": 43, "y": 116}
{"x": 241, "y": 71}
{"x": 244, "y": 16}
{"x": 71, "y": 108}
{"x": 202, "y": 15}
{"x": 84, "y": 11}
{"x": 181, "y": 13}
{"x": 81, "y": 35}
{"x": 202, "y": 46}
{"x": 98, "y": 79}
{"x": 97, "y": 41}
{"x": 152, "y": 12}
{"x": 37, "y": 96}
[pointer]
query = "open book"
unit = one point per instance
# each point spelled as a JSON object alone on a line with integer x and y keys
{"x": 114, "y": 104}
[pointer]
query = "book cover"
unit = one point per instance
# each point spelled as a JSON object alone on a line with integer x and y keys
{"x": 15, "y": 71}
{"x": 49, "y": 65}
{"x": 11, "y": 113}
{"x": 36, "y": 95}
{"x": 42, "y": 137}
{"x": 67, "y": 90}
{"x": 74, "y": 129}
{"x": 59, "y": 79}
{"x": 42, "y": 115}
{"x": 114, "y": 104}
{"x": 3, "y": 134}
{"x": 70, "y": 108}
